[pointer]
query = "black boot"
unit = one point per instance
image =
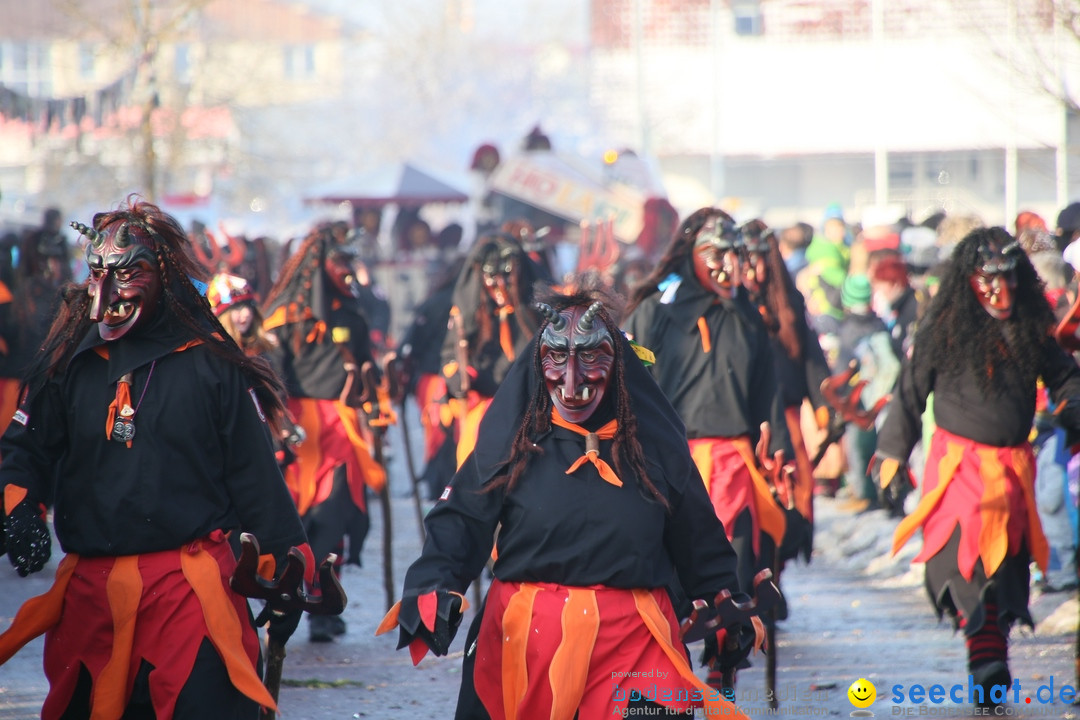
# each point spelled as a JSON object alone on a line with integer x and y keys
{"x": 986, "y": 676}
{"x": 321, "y": 628}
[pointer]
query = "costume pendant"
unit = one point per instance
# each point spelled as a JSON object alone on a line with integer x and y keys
{"x": 123, "y": 429}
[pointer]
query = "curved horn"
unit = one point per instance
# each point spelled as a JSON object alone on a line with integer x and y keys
{"x": 585, "y": 322}
{"x": 97, "y": 239}
{"x": 123, "y": 236}
{"x": 557, "y": 322}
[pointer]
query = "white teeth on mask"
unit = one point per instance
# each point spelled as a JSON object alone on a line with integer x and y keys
{"x": 585, "y": 393}
{"x": 563, "y": 391}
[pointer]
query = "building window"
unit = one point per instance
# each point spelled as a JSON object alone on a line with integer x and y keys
{"x": 182, "y": 63}
{"x": 299, "y": 61}
{"x": 901, "y": 173}
{"x": 747, "y": 14}
{"x": 25, "y": 68}
{"x": 87, "y": 64}
{"x": 20, "y": 57}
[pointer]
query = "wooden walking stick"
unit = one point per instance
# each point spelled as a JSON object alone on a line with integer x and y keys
{"x": 379, "y": 414}
{"x": 461, "y": 354}
{"x": 395, "y": 376}
{"x": 783, "y": 490}
{"x": 284, "y": 594}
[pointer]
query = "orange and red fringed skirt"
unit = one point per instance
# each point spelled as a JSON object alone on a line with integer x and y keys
{"x": 334, "y": 438}
{"x": 111, "y": 613}
{"x": 430, "y": 399}
{"x": 470, "y": 412}
{"x": 553, "y": 651}
{"x": 980, "y": 523}
{"x": 734, "y": 484}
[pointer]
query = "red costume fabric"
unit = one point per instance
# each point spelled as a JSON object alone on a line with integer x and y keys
{"x": 987, "y": 491}
{"x": 549, "y": 650}
{"x": 335, "y": 439}
{"x": 89, "y": 619}
{"x": 734, "y": 484}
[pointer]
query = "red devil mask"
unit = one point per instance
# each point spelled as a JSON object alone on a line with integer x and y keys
{"x": 124, "y": 283}
{"x": 994, "y": 279}
{"x": 756, "y": 274}
{"x": 718, "y": 256}
{"x": 577, "y": 353}
{"x": 498, "y": 268}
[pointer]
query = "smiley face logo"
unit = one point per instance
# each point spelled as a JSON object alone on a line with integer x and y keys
{"x": 862, "y": 693}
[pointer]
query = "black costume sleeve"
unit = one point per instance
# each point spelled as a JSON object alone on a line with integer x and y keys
{"x": 1061, "y": 376}
{"x": 817, "y": 367}
{"x": 460, "y": 536}
{"x": 704, "y": 559}
{"x": 766, "y": 402}
{"x": 253, "y": 479}
{"x": 1060, "y": 373}
{"x": 32, "y": 442}
{"x": 903, "y": 422}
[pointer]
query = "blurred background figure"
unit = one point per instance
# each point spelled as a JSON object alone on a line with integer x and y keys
{"x": 865, "y": 340}
{"x": 322, "y": 343}
{"x": 237, "y": 308}
{"x": 492, "y": 321}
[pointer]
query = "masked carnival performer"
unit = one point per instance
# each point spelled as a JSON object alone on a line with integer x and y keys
{"x": 800, "y": 368}
{"x": 421, "y": 352}
{"x": 584, "y": 463}
{"x": 29, "y": 303}
{"x": 322, "y": 343}
{"x": 714, "y": 363}
{"x": 147, "y": 430}
{"x": 985, "y": 342}
{"x": 491, "y": 321}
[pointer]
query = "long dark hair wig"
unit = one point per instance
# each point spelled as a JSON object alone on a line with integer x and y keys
{"x": 677, "y": 253}
{"x": 181, "y": 303}
{"x": 478, "y": 310}
{"x": 957, "y": 332}
{"x": 300, "y": 285}
{"x": 778, "y": 298}
{"x": 627, "y": 451}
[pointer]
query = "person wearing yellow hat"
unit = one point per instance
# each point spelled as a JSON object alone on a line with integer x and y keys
{"x": 236, "y": 307}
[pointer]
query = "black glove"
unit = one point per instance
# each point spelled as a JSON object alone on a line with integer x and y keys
{"x": 738, "y": 645}
{"x": 283, "y": 623}
{"x": 893, "y": 495}
{"x": 447, "y": 619}
{"x": 798, "y": 536}
{"x": 29, "y": 544}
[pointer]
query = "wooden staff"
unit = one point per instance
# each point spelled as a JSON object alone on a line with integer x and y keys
{"x": 284, "y": 594}
{"x": 375, "y": 401}
{"x": 394, "y": 373}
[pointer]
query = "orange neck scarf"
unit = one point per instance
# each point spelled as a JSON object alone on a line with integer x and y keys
{"x": 506, "y": 342}
{"x": 592, "y": 446}
{"x": 122, "y": 403}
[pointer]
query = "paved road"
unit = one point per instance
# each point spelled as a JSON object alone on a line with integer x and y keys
{"x": 845, "y": 624}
